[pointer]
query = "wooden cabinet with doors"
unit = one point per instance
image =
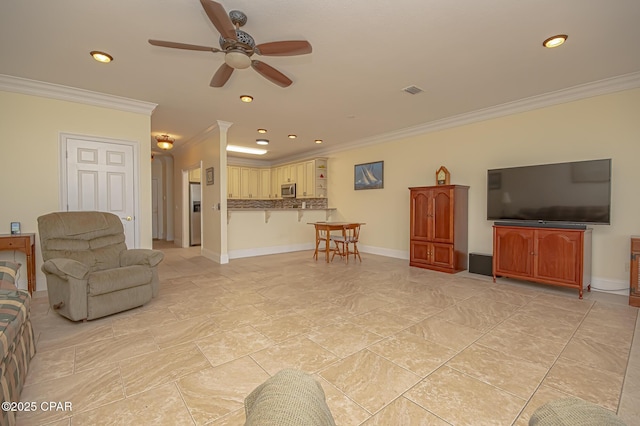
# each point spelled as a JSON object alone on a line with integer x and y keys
{"x": 245, "y": 183}
{"x": 275, "y": 184}
{"x": 555, "y": 256}
{"x": 634, "y": 293}
{"x": 233, "y": 182}
{"x": 439, "y": 227}
{"x": 249, "y": 182}
{"x": 308, "y": 178}
{"x": 265, "y": 184}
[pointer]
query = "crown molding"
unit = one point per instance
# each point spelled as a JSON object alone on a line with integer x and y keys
{"x": 583, "y": 91}
{"x": 25, "y": 86}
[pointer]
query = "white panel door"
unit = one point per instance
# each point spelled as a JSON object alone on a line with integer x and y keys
{"x": 100, "y": 177}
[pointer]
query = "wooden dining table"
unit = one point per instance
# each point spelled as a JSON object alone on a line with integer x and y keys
{"x": 327, "y": 227}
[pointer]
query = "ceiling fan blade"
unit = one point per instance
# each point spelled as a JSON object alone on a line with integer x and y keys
{"x": 219, "y": 18}
{"x": 284, "y": 48}
{"x": 271, "y": 74}
{"x": 221, "y": 76}
{"x": 175, "y": 45}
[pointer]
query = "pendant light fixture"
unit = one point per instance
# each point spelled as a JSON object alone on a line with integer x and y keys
{"x": 165, "y": 142}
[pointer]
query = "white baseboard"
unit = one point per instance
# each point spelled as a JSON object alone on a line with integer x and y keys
{"x": 398, "y": 254}
{"x": 607, "y": 285}
{"x": 216, "y": 257}
{"x": 263, "y": 251}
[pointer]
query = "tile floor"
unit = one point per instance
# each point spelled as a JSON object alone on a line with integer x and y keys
{"x": 390, "y": 344}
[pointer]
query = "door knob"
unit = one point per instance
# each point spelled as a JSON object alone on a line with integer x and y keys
{"x": 128, "y": 218}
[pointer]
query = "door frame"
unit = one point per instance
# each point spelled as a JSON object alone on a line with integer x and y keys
{"x": 186, "y": 236}
{"x": 64, "y": 137}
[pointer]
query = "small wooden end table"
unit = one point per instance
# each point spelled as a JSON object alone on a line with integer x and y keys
{"x": 25, "y": 243}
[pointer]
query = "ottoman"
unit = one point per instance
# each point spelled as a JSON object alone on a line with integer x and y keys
{"x": 289, "y": 398}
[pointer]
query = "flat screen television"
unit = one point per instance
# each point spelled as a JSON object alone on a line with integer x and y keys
{"x": 574, "y": 192}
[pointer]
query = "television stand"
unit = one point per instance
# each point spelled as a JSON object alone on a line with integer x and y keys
{"x": 544, "y": 224}
{"x": 548, "y": 255}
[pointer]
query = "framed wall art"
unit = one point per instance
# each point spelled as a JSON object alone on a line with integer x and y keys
{"x": 210, "y": 176}
{"x": 369, "y": 175}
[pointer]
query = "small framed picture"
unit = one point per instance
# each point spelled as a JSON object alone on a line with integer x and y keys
{"x": 15, "y": 228}
{"x": 210, "y": 176}
{"x": 369, "y": 176}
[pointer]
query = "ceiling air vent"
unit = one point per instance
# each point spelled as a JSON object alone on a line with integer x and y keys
{"x": 413, "y": 90}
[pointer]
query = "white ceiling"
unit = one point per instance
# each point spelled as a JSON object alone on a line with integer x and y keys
{"x": 467, "y": 55}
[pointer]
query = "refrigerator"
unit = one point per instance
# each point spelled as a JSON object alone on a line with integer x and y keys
{"x": 194, "y": 214}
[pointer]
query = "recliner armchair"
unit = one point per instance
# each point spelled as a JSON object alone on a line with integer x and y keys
{"x": 90, "y": 272}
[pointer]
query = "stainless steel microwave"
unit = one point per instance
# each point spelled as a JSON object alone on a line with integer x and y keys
{"x": 288, "y": 190}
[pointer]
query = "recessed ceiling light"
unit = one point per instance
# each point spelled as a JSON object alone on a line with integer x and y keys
{"x": 555, "y": 41}
{"x": 292, "y": 136}
{"x": 262, "y": 141}
{"x": 101, "y": 56}
{"x": 318, "y": 140}
{"x": 245, "y": 150}
{"x": 262, "y": 130}
{"x": 246, "y": 98}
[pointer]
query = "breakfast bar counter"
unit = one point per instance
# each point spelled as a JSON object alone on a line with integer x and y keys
{"x": 262, "y": 231}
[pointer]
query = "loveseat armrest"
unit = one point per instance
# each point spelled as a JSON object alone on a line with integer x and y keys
{"x": 66, "y": 267}
{"x": 141, "y": 257}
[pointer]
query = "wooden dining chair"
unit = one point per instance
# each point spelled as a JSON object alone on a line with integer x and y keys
{"x": 350, "y": 235}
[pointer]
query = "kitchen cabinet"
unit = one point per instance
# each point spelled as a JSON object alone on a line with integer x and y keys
{"x": 265, "y": 184}
{"x": 233, "y": 182}
{"x": 195, "y": 175}
{"x": 300, "y": 180}
{"x": 244, "y": 182}
{"x": 305, "y": 183}
{"x": 249, "y": 182}
{"x": 288, "y": 173}
{"x": 546, "y": 255}
{"x": 439, "y": 227}
{"x": 634, "y": 293}
{"x": 275, "y": 183}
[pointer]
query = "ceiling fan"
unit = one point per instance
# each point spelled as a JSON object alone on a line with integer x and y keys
{"x": 238, "y": 47}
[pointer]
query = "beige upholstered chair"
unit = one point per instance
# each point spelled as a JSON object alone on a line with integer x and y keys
{"x": 349, "y": 236}
{"x": 90, "y": 272}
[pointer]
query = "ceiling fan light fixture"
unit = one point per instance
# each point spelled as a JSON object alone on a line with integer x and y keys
{"x": 246, "y": 98}
{"x": 237, "y": 59}
{"x": 262, "y": 141}
{"x": 103, "y": 57}
{"x": 245, "y": 150}
{"x": 555, "y": 41}
{"x": 165, "y": 142}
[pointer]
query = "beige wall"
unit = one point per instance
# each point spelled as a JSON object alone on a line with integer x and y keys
{"x": 600, "y": 127}
{"x": 29, "y": 159}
